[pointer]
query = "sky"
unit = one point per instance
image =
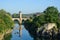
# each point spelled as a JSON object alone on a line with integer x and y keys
{"x": 28, "y": 6}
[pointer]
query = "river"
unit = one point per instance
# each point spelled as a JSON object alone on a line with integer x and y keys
{"x": 23, "y": 34}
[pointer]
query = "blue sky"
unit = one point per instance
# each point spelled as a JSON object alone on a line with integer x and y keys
{"x": 28, "y": 6}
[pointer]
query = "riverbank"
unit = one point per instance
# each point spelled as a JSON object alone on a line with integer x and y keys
{"x": 2, "y": 34}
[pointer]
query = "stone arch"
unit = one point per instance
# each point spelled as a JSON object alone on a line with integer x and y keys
{"x": 16, "y": 19}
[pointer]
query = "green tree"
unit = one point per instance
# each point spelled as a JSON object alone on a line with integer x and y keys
{"x": 6, "y": 22}
{"x": 40, "y": 19}
{"x": 51, "y": 14}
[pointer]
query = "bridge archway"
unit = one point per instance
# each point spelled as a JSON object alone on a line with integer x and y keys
{"x": 16, "y": 21}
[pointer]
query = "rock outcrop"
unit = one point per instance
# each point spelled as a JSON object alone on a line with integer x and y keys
{"x": 49, "y": 29}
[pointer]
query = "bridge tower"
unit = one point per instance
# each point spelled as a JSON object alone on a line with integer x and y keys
{"x": 20, "y": 28}
{"x": 20, "y": 13}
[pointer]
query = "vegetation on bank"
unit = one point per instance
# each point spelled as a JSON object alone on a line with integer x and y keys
{"x": 50, "y": 15}
{"x": 7, "y": 36}
{"x": 6, "y": 22}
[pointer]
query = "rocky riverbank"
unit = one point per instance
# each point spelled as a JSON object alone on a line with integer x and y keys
{"x": 51, "y": 33}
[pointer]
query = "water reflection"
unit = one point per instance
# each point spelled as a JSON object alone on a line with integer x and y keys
{"x": 20, "y": 30}
{"x": 20, "y": 33}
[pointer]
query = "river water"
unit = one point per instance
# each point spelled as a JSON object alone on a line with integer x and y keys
{"x": 23, "y": 35}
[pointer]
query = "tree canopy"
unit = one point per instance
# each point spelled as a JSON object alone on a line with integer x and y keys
{"x": 51, "y": 14}
{"x": 6, "y": 22}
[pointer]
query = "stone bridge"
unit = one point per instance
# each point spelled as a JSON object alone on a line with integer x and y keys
{"x": 20, "y": 18}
